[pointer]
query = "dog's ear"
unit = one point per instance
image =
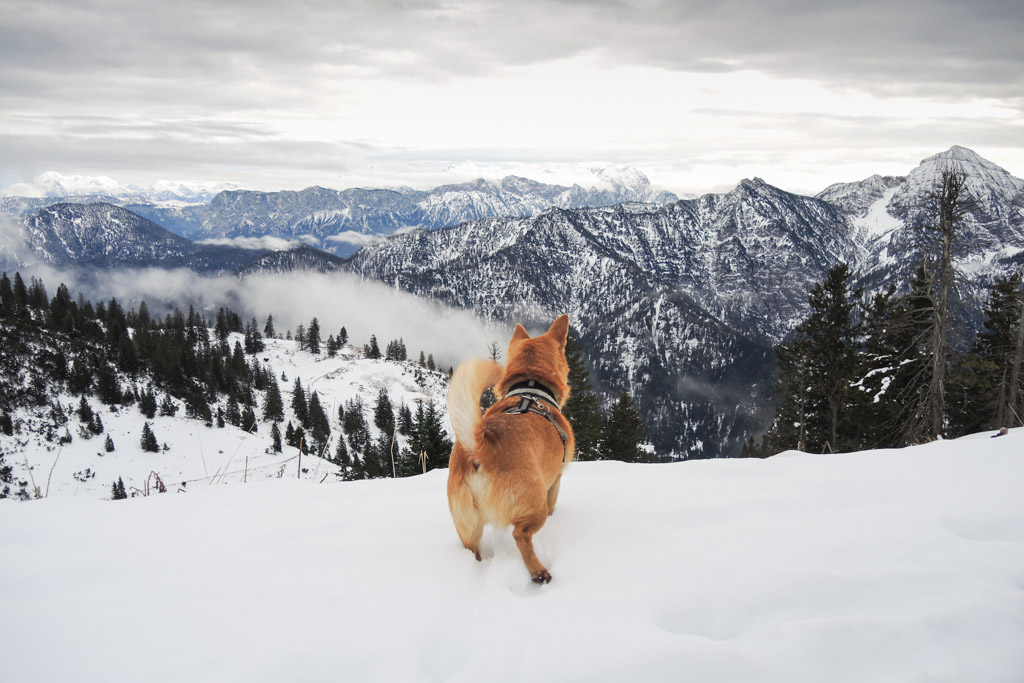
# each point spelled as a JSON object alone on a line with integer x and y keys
{"x": 560, "y": 329}
{"x": 520, "y": 333}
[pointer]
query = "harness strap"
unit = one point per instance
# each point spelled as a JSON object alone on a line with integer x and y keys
{"x": 530, "y": 404}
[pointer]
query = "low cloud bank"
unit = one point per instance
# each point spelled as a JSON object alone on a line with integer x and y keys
{"x": 364, "y": 307}
{"x": 266, "y": 242}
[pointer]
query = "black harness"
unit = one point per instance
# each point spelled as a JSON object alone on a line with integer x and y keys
{"x": 536, "y": 398}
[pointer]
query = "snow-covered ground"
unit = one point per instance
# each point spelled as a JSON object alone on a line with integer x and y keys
{"x": 900, "y": 565}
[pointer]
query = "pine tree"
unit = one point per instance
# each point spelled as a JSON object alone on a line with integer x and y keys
{"x": 319, "y": 424}
{"x": 168, "y": 408}
{"x": 583, "y": 408}
{"x": 300, "y": 406}
{"x": 85, "y": 414}
{"x": 148, "y": 440}
{"x": 984, "y": 388}
{"x": 248, "y": 420}
{"x": 273, "y": 406}
{"x": 624, "y": 432}
{"x": 275, "y": 435}
{"x": 108, "y": 445}
{"x": 341, "y": 457}
{"x": 117, "y": 490}
{"x": 816, "y": 371}
{"x": 404, "y": 420}
{"x": 313, "y": 336}
{"x": 268, "y": 329}
{"x": 253, "y": 340}
{"x": 95, "y": 425}
{"x": 108, "y": 387}
{"x": 383, "y": 413}
{"x": 7, "y": 307}
{"x": 342, "y": 337}
{"x": 428, "y": 436}
{"x": 232, "y": 412}
{"x": 372, "y": 350}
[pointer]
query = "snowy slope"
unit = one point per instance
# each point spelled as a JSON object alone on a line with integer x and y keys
{"x": 877, "y": 566}
{"x": 201, "y": 456}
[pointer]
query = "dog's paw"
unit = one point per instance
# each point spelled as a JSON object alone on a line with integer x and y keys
{"x": 542, "y": 576}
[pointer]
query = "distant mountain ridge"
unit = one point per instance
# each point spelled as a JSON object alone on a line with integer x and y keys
{"x": 682, "y": 302}
{"x": 679, "y": 302}
{"x": 340, "y": 221}
{"x": 103, "y": 236}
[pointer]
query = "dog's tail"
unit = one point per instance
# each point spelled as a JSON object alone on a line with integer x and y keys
{"x": 468, "y": 384}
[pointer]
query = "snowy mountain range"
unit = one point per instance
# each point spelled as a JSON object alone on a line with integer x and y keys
{"x": 104, "y": 236}
{"x": 679, "y": 302}
{"x": 339, "y": 221}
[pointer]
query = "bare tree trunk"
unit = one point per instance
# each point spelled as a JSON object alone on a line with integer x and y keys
{"x": 951, "y": 206}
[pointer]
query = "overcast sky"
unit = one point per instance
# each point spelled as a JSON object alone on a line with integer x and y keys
{"x": 698, "y": 95}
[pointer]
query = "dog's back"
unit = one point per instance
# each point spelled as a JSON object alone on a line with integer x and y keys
{"x": 505, "y": 468}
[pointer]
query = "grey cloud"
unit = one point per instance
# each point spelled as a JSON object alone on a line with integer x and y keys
{"x": 871, "y": 44}
{"x": 364, "y": 307}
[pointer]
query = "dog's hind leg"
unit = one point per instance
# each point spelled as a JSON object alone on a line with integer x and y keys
{"x": 553, "y": 494}
{"x": 469, "y": 523}
{"x": 523, "y": 531}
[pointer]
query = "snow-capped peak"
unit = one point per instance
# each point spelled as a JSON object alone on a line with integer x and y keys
{"x": 985, "y": 178}
{"x": 54, "y": 184}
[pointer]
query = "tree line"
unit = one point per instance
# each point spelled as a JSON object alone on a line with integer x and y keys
{"x": 901, "y": 369}
{"x": 129, "y": 358}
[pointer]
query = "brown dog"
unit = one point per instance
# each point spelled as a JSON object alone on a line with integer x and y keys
{"x": 506, "y": 467}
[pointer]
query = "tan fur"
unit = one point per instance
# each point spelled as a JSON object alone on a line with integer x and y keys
{"x": 506, "y": 469}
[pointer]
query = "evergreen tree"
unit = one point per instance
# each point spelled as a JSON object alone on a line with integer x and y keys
{"x": 268, "y": 329}
{"x": 404, "y": 420}
{"x": 984, "y": 389}
{"x": 117, "y": 490}
{"x": 108, "y": 445}
{"x": 147, "y": 402}
{"x": 332, "y": 346}
{"x": 428, "y": 436}
{"x": 383, "y": 413}
{"x": 248, "y": 421}
{"x": 253, "y": 340}
{"x": 816, "y": 371}
{"x": 354, "y": 424}
{"x": 273, "y": 406}
{"x": 372, "y": 350}
{"x": 300, "y": 406}
{"x": 313, "y": 337}
{"x": 108, "y": 387}
{"x": 148, "y": 440}
{"x": 85, "y": 414}
{"x": 583, "y": 408}
{"x": 232, "y": 412}
{"x": 95, "y": 425}
{"x": 341, "y": 457}
{"x": 319, "y": 424}
{"x": 168, "y": 408}
{"x": 7, "y": 307}
{"x": 300, "y": 336}
{"x": 624, "y": 432}
{"x": 342, "y": 337}
{"x": 275, "y": 435}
